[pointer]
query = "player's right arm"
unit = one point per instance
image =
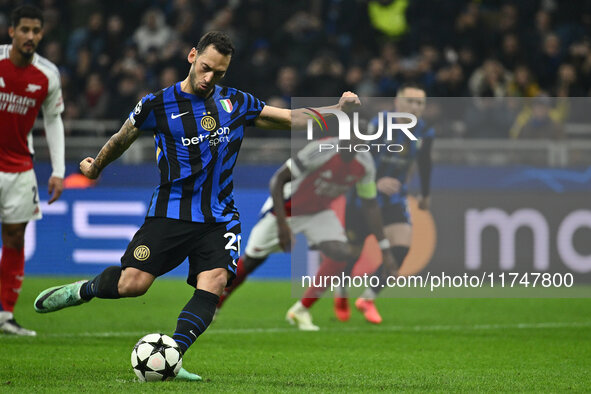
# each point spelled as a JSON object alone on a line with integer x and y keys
{"x": 114, "y": 148}
{"x": 52, "y": 107}
{"x": 277, "y": 183}
{"x": 141, "y": 118}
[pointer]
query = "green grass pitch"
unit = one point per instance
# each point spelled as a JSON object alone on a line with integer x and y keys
{"x": 423, "y": 345}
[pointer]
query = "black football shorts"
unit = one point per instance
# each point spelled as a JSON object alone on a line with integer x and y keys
{"x": 161, "y": 244}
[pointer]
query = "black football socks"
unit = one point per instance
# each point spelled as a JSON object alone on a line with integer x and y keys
{"x": 195, "y": 318}
{"x": 103, "y": 285}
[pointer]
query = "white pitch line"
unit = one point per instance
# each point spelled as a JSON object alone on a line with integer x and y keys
{"x": 232, "y": 331}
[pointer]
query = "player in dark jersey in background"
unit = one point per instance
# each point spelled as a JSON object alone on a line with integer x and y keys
{"x": 198, "y": 127}
{"x": 392, "y": 173}
{"x": 28, "y": 83}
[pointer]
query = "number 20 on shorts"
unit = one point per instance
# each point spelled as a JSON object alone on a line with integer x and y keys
{"x": 232, "y": 238}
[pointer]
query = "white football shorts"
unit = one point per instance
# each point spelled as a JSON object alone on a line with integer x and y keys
{"x": 19, "y": 197}
{"x": 320, "y": 227}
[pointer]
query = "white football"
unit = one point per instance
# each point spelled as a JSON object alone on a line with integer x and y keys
{"x": 156, "y": 357}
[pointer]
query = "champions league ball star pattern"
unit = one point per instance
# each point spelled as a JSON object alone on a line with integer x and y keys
{"x": 156, "y": 357}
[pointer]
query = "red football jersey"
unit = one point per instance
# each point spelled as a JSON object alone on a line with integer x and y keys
{"x": 23, "y": 92}
{"x": 319, "y": 177}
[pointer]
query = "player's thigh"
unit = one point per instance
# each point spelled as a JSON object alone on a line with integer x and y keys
{"x": 159, "y": 246}
{"x": 19, "y": 197}
{"x": 263, "y": 239}
{"x": 217, "y": 245}
{"x": 399, "y": 234}
{"x": 397, "y": 223}
{"x": 320, "y": 228}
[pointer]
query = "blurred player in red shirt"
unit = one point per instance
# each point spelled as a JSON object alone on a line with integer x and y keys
{"x": 310, "y": 182}
{"x": 28, "y": 83}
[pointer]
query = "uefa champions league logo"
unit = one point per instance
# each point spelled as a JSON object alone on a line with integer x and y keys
{"x": 392, "y": 124}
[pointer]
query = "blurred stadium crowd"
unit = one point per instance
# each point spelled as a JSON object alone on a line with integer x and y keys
{"x": 110, "y": 53}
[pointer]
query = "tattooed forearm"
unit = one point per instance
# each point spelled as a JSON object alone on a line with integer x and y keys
{"x": 116, "y": 145}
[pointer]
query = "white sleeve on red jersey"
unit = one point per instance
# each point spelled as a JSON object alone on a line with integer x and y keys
{"x": 52, "y": 107}
{"x": 4, "y": 51}
{"x": 54, "y": 133}
{"x": 311, "y": 157}
{"x": 53, "y": 103}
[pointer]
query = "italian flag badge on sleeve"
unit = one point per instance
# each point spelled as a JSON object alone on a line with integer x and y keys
{"x": 227, "y": 105}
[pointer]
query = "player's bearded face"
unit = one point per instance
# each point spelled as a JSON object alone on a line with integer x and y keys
{"x": 208, "y": 69}
{"x": 26, "y": 36}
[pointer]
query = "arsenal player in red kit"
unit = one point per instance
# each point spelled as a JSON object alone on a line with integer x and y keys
{"x": 311, "y": 181}
{"x": 28, "y": 83}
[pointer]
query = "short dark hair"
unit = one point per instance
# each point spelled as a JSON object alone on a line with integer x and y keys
{"x": 410, "y": 85}
{"x": 220, "y": 40}
{"x": 25, "y": 11}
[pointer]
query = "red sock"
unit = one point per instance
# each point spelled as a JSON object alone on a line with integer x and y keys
{"x": 12, "y": 270}
{"x": 329, "y": 267}
{"x": 241, "y": 275}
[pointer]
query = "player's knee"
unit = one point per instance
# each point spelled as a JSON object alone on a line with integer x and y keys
{"x": 336, "y": 250}
{"x": 213, "y": 281}
{"x": 219, "y": 279}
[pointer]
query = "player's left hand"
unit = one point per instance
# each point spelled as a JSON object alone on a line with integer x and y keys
{"x": 349, "y": 101}
{"x": 424, "y": 203}
{"x": 285, "y": 235}
{"x": 388, "y": 185}
{"x": 55, "y": 187}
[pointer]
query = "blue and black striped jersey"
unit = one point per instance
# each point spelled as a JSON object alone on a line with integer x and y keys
{"x": 197, "y": 142}
{"x": 397, "y": 165}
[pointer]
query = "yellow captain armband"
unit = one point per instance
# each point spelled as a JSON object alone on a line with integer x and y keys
{"x": 367, "y": 190}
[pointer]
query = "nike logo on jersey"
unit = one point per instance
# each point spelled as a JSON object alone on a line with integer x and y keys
{"x": 173, "y": 116}
{"x": 2, "y": 84}
{"x": 32, "y": 88}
